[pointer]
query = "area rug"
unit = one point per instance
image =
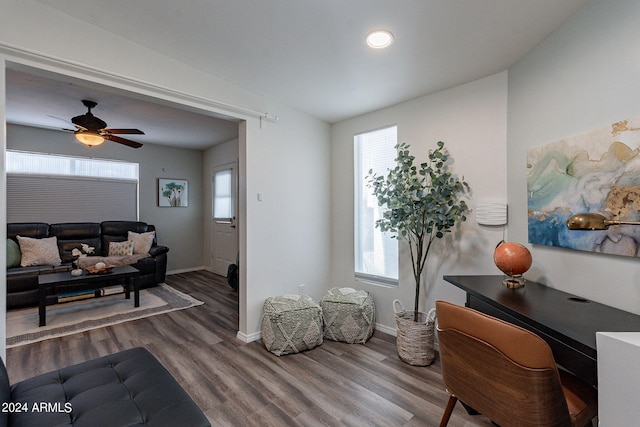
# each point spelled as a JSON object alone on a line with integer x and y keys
{"x": 79, "y": 316}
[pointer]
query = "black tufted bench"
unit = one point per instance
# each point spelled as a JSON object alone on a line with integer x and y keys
{"x": 130, "y": 388}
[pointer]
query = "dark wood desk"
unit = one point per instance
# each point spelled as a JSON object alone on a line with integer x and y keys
{"x": 567, "y": 322}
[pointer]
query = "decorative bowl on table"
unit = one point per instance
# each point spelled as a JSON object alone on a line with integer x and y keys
{"x": 99, "y": 268}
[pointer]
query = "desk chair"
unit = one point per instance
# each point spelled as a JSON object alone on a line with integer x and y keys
{"x": 507, "y": 373}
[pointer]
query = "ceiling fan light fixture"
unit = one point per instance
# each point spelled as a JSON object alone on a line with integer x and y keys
{"x": 379, "y": 39}
{"x": 89, "y": 138}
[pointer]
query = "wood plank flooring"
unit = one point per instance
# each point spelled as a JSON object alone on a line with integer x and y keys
{"x": 238, "y": 384}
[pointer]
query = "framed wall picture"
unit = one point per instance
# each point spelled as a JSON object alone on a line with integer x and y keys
{"x": 173, "y": 192}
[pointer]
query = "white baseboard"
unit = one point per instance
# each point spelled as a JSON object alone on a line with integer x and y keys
{"x": 248, "y": 338}
{"x": 186, "y": 270}
{"x": 386, "y": 329}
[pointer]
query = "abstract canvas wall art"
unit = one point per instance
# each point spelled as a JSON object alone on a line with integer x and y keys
{"x": 598, "y": 172}
{"x": 173, "y": 192}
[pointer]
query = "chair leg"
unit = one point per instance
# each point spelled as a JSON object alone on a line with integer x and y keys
{"x": 448, "y": 410}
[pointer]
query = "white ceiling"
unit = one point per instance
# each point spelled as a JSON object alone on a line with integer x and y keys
{"x": 311, "y": 55}
{"x": 47, "y": 100}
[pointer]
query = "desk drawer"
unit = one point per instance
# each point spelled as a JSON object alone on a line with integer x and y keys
{"x": 574, "y": 361}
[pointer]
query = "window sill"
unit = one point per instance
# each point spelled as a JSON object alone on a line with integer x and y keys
{"x": 370, "y": 279}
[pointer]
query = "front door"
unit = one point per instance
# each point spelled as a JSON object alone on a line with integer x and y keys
{"x": 225, "y": 231}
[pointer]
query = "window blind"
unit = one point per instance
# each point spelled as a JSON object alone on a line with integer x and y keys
{"x": 54, "y": 199}
{"x": 222, "y": 201}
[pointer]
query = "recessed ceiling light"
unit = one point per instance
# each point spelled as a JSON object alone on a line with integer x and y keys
{"x": 379, "y": 39}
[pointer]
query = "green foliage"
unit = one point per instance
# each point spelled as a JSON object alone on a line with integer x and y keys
{"x": 423, "y": 202}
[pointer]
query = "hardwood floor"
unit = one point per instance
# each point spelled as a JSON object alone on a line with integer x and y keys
{"x": 238, "y": 384}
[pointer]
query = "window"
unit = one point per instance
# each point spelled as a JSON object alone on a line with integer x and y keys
{"x": 55, "y": 188}
{"x": 376, "y": 253}
{"x": 20, "y": 162}
{"x": 222, "y": 198}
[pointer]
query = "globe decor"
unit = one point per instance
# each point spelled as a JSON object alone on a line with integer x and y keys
{"x": 514, "y": 260}
{"x": 423, "y": 203}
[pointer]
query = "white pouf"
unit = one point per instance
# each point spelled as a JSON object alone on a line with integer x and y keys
{"x": 291, "y": 324}
{"x": 349, "y": 315}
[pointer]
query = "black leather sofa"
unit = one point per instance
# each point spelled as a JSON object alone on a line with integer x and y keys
{"x": 22, "y": 282}
{"x": 129, "y": 388}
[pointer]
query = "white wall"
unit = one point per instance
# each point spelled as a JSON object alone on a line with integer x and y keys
{"x": 3, "y": 220}
{"x": 177, "y": 228}
{"x": 585, "y": 76}
{"x": 297, "y": 193}
{"x": 471, "y": 120}
{"x": 289, "y": 230}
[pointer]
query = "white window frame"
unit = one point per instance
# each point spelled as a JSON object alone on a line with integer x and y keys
{"x": 380, "y": 265}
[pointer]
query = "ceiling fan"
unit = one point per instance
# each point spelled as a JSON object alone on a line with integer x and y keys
{"x": 91, "y": 131}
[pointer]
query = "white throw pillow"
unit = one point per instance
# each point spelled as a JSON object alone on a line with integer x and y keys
{"x": 121, "y": 248}
{"x": 141, "y": 241}
{"x": 39, "y": 251}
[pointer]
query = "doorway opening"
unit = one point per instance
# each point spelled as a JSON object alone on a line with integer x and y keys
{"x": 71, "y": 82}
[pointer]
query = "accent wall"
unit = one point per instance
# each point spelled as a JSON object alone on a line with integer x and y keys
{"x": 584, "y": 76}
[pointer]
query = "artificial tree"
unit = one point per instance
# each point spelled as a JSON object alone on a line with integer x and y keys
{"x": 423, "y": 203}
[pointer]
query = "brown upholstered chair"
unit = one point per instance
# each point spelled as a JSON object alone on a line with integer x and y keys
{"x": 507, "y": 373}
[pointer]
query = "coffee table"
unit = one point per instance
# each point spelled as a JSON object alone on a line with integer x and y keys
{"x": 86, "y": 281}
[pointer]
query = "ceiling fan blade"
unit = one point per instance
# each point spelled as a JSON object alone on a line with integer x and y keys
{"x": 124, "y": 131}
{"x": 58, "y": 118}
{"x": 78, "y": 127}
{"x": 123, "y": 141}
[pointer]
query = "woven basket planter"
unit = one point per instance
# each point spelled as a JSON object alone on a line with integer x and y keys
{"x": 415, "y": 340}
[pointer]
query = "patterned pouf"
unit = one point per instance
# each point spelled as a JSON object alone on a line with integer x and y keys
{"x": 291, "y": 324}
{"x": 349, "y": 315}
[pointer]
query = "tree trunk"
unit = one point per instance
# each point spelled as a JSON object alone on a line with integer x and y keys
{"x": 417, "y": 276}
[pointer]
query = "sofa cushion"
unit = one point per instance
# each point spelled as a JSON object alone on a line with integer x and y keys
{"x": 121, "y": 248}
{"x": 13, "y": 254}
{"x": 37, "y": 230}
{"x": 141, "y": 241}
{"x": 32, "y": 270}
{"x": 118, "y": 231}
{"x": 39, "y": 251}
{"x": 72, "y": 235}
{"x": 120, "y": 228}
{"x": 127, "y": 388}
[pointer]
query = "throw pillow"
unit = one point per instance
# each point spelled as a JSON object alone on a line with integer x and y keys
{"x": 141, "y": 241}
{"x": 13, "y": 254}
{"x": 39, "y": 251}
{"x": 121, "y": 248}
